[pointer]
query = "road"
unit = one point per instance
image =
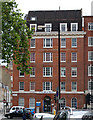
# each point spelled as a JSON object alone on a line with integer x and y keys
{"x": 37, "y": 119}
{"x": 26, "y": 119}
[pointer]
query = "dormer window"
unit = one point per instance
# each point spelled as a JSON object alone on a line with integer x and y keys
{"x": 63, "y": 27}
{"x": 48, "y": 27}
{"x": 34, "y": 27}
{"x": 74, "y": 26}
{"x": 33, "y": 18}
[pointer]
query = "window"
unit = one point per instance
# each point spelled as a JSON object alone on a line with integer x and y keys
{"x": 47, "y": 72}
{"x": 48, "y": 27}
{"x": 47, "y": 85}
{"x": 32, "y": 43}
{"x": 62, "y": 86}
{"x": 74, "y": 57}
{"x": 74, "y": 26}
{"x": 74, "y": 86}
{"x": 90, "y": 85}
{"x": 33, "y": 27}
{"x": 90, "y": 41}
{"x": 90, "y": 26}
{"x": 32, "y": 57}
{"x": 32, "y": 85}
{"x": 90, "y": 70}
{"x": 63, "y": 103}
{"x": 74, "y": 102}
{"x": 90, "y": 55}
{"x": 47, "y": 57}
{"x": 32, "y": 103}
{"x": 21, "y": 101}
{"x": 63, "y": 57}
{"x": 63, "y": 27}
{"x": 74, "y": 72}
{"x": 48, "y": 43}
{"x": 63, "y": 72}
{"x": 32, "y": 74}
{"x": 21, "y": 74}
{"x": 63, "y": 43}
{"x": 74, "y": 42}
{"x": 33, "y": 18}
{"x": 21, "y": 85}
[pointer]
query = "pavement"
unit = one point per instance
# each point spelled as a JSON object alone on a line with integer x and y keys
{"x": 1, "y": 116}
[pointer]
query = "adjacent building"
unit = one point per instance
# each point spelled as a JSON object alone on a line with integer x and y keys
{"x": 88, "y": 57}
{"x": 5, "y": 87}
{"x": 37, "y": 90}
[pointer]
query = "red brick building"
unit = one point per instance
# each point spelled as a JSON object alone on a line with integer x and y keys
{"x": 88, "y": 57}
{"x": 37, "y": 89}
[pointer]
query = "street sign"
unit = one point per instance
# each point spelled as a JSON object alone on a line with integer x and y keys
{"x": 57, "y": 92}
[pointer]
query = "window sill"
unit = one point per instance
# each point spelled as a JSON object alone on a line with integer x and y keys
{"x": 47, "y": 61}
{"x": 21, "y": 76}
{"x": 47, "y": 76}
{"x": 73, "y": 76}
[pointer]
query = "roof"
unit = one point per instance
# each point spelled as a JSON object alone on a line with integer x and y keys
{"x": 55, "y": 14}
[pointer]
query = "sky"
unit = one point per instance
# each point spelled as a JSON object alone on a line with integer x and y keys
{"x": 30, "y": 5}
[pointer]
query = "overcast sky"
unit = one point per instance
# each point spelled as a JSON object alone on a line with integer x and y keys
{"x": 29, "y": 5}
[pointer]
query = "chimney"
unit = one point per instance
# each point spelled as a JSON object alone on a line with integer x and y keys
{"x": 92, "y": 8}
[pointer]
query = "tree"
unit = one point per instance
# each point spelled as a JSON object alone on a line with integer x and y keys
{"x": 15, "y": 37}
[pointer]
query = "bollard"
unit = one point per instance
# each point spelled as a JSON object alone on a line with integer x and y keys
{"x": 54, "y": 112}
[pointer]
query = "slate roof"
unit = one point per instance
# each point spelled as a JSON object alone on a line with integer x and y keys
{"x": 55, "y": 17}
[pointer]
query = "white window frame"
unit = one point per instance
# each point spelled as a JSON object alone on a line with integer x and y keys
{"x": 63, "y": 104}
{"x": 21, "y": 101}
{"x": 75, "y": 43}
{"x": 30, "y": 43}
{"x": 64, "y": 71}
{"x": 90, "y": 26}
{"x": 75, "y": 86}
{"x": 49, "y": 27}
{"x": 72, "y": 103}
{"x": 61, "y": 24}
{"x": 45, "y": 86}
{"x": 45, "y": 43}
{"x": 20, "y": 73}
{"x": 90, "y": 70}
{"x": 32, "y": 85}
{"x": 50, "y": 57}
{"x": 64, "y": 86}
{"x": 63, "y": 46}
{"x": 33, "y": 71}
{"x": 73, "y": 56}
{"x": 72, "y": 26}
{"x": 90, "y": 55}
{"x": 75, "y": 69}
{"x": 21, "y": 86}
{"x": 33, "y": 25}
{"x": 63, "y": 56}
{"x": 45, "y": 71}
{"x": 90, "y": 41}
{"x": 90, "y": 83}
{"x": 30, "y": 58}
{"x": 31, "y": 102}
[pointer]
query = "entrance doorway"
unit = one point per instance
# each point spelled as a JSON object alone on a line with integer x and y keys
{"x": 47, "y": 104}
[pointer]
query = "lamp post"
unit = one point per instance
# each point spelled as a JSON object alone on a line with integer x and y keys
{"x": 40, "y": 27}
{"x": 59, "y": 61}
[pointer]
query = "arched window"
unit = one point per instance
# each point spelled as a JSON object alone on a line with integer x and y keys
{"x": 63, "y": 103}
{"x": 74, "y": 102}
